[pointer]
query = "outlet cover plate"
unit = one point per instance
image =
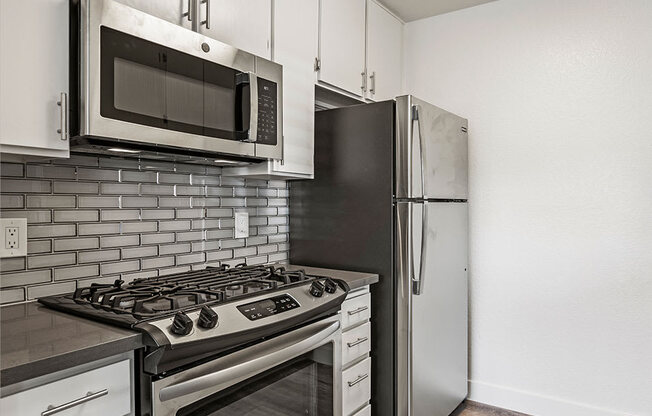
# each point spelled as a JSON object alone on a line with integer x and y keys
{"x": 13, "y": 243}
{"x": 241, "y": 224}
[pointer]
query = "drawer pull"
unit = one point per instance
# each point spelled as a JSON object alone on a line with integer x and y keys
{"x": 357, "y": 341}
{"x": 357, "y": 380}
{"x": 89, "y": 396}
{"x": 360, "y": 309}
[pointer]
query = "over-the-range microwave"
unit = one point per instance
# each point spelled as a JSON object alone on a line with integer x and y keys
{"x": 145, "y": 87}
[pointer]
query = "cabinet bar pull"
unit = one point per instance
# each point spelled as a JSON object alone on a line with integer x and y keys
{"x": 89, "y": 396}
{"x": 360, "y": 309}
{"x": 207, "y": 22}
{"x": 357, "y": 342}
{"x": 357, "y": 380}
{"x": 372, "y": 78}
{"x": 187, "y": 14}
{"x": 63, "y": 103}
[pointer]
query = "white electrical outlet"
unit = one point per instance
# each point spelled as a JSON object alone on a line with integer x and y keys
{"x": 13, "y": 237}
{"x": 241, "y": 224}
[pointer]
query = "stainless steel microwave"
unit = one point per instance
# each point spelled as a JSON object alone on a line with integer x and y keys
{"x": 146, "y": 87}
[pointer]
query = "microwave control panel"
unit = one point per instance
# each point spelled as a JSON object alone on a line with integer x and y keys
{"x": 267, "y": 112}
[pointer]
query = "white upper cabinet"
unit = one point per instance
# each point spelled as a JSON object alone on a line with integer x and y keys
{"x": 342, "y": 44}
{"x": 174, "y": 11}
{"x": 384, "y": 58}
{"x": 294, "y": 47}
{"x": 245, "y": 24}
{"x": 34, "y": 78}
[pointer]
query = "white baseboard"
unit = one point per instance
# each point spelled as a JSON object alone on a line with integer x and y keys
{"x": 532, "y": 403}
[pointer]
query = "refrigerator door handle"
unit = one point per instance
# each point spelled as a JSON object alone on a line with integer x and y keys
{"x": 417, "y": 284}
{"x": 422, "y": 146}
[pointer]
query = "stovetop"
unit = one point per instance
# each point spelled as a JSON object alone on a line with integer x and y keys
{"x": 210, "y": 309}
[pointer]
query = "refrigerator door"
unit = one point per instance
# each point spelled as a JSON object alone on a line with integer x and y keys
{"x": 431, "y": 151}
{"x": 431, "y": 325}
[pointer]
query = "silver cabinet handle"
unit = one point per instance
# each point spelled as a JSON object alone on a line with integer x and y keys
{"x": 357, "y": 380}
{"x": 187, "y": 13}
{"x": 372, "y": 78}
{"x": 357, "y": 342}
{"x": 63, "y": 104}
{"x": 89, "y": 396}
{"x": 360, "y": 309}
{"x": 250, "y": 366}
{"x": 207, "y": 22}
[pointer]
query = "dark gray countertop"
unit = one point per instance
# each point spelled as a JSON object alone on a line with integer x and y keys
{"x": 35, "y": 341}
{"x": 353, "y": 279}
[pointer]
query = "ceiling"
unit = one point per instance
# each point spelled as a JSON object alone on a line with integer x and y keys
{"x": 409, "y": 10}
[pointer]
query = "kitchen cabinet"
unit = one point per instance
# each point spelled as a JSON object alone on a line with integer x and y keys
{"x": 342, "y": 45}
{"x": 356, "y": 346}
{"x": 34, "y": 78}
{"x": 174, "y": 11}
{"x": 103, "y": 390}
{"x": 294, "y": 47}
{"x": 384, "y": 57}
{"x": 245, "y": 24}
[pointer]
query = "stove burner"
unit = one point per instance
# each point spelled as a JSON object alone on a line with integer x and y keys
{"x": 151, "y": 297}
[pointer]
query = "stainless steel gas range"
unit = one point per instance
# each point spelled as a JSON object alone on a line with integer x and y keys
{"x": 227, "y": 341}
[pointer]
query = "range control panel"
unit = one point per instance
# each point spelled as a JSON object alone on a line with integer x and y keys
{"x": 268, "y": 307}
{"x": 267, "y": 112}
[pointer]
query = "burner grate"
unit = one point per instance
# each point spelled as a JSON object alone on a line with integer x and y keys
{"x": 151, "y": 297}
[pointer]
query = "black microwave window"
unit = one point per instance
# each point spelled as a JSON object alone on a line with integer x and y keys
{"x": 153, "y": 85}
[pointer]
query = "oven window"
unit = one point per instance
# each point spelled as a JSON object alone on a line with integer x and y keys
{"x": 301, "y": 387}
{"x": 149, "y": 84}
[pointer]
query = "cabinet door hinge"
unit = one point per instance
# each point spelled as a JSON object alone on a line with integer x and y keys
{"x": 317, "y": 64}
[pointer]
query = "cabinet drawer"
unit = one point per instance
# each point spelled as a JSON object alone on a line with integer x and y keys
{"x": 356, "y": 310}
{"x": 355, "y": 343}
{"x": 365, "y": 411}
{"x": 109, "y": 388}
{"x": 356, "y": 386}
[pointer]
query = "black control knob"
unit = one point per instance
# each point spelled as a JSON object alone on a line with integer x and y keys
{"x": 330, "y": 285}
{"x": 316, "y": 289}
{"x": 207, "y": 318}
{"x": 181, "y": 325}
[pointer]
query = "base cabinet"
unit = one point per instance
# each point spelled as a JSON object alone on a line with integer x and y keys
{"x": 356, "y": 347}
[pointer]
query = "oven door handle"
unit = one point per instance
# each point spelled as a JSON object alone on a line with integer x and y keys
{"x": 247, "y": 367}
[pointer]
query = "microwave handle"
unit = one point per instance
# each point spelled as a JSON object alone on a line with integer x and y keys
{"x": 249, "y": 78}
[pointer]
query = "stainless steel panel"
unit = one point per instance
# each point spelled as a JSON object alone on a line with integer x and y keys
{"x": 176, "y": 391}
{"x": 431, "y": 151}
{"x": 273, "y": 72}
{"x": 403, "y": 276}
{"x": 96, "y": 13}
{"x": 439, "y": 314}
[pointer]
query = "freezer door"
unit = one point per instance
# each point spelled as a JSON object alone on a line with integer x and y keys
{"x": 431, "y": 151}
{"x": 431, "y": 267}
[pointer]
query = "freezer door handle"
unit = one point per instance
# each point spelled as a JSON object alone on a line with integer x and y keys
{"x": 422, "y": 146}
{"x": 417, "y": 284}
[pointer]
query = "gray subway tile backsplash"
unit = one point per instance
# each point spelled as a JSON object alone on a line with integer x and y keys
{"x": 95, "y": 220}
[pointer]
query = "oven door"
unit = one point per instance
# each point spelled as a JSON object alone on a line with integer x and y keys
{"x": 294, "y": 374}
{"x": 151, "y": 82}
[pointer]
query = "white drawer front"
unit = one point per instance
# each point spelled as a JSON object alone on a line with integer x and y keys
{"x": 114, "y": 378}
{"x": 356, "y": 386}
{"x": 365, "y": 411}
{"x": 356, "y": 310}
{"x": 356, "y": 343}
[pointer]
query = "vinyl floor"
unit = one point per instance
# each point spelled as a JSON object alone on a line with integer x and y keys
{"x": 469, "y": 408}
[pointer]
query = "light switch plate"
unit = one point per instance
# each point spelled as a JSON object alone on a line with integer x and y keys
{"x": 13, "y": 237}
{"x": 241, "y": 224}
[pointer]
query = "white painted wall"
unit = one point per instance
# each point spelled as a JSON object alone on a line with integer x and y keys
{"x": 559, "y": 98}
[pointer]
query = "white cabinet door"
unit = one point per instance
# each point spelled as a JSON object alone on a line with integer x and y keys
{"x": 384, "y": 44}
{"x": 171, "y": 10}
{"x": 245, "y": 24}
{"x": 342, "y": 44}
{"x": 33, "y": 77}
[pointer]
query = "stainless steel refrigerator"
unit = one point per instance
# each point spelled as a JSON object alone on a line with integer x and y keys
{"x": 390, "y": 197}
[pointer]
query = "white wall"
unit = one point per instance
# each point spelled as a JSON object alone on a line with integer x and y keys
{"x": 559, "y": 99}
